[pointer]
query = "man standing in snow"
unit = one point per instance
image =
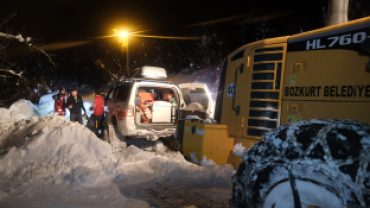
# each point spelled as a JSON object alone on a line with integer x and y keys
{"x": 60, "y": 102}
{"x": 75, "y": 104}
{"x": 98, "y": 110}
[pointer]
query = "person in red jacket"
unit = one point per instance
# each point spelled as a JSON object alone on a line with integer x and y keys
{"x": 60, "y": 102}
{"x": 98, "y": 110}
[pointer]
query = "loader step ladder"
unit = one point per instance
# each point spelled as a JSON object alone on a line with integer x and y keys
{"x": 116, "y": 140}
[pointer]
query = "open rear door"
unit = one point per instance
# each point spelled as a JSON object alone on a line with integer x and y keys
{"x": 196, "y": 100}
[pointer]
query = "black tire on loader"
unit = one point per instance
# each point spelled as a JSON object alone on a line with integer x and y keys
{"x": 316, "y": 163}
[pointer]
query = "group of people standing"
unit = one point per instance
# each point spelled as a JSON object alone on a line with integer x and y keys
{"x": 74, "y": 103}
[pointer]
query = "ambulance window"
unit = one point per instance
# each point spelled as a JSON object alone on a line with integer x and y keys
{"x": 121, "y": 93}
{"x": 110, "y": 94}
{"x": 157, "y": 94}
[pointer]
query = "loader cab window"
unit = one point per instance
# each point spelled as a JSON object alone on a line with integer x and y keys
{"x": 195, "y": 95}
{"x": 121, "y": 93}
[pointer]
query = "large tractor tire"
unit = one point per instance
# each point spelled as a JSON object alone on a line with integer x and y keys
{"x": 309, "y": 164}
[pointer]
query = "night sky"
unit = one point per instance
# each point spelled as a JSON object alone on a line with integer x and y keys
{"x": 73, "y": 21}
{"x": 71, "y": 32}
{"x": 64, "y": 19}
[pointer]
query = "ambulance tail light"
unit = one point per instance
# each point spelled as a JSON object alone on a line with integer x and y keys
{"x": 128, "y": 112}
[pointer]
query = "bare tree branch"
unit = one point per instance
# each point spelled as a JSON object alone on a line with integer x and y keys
{"x": 45, "y": 54}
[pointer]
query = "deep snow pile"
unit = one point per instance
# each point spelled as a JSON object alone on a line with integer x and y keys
{"x": 53, "y": 152}
{"x": 68, "y": 150}
{"x": 75, "y": 154}
{"x": 22, "y": 109}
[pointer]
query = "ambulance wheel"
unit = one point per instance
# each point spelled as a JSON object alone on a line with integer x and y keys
{"x": 316, "y": 163}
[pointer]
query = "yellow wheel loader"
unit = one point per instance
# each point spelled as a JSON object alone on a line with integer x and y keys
{"x": 324, "y": 73}
{"x": 300, "y": 105}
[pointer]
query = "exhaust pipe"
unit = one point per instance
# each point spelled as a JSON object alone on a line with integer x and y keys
{"x": 337, "y": 12}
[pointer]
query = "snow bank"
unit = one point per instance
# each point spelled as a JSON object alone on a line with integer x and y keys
{"x": 193, "y": 158}
{"x": 22, "y": 109}
{"x": 50, "y": 160}
{"x": 239, "y": 150}
{"x": 56, "y": 150}
{"x": 204, "y": 162}
{"x": 68, "y": 150}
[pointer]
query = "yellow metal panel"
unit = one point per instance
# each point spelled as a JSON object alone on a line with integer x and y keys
{"x": 327, "y": 109}
{"x": 234, "y": 161}
{"x": 247, "y": 143}
{"x": 338, "y": 75}
{"x": 192, "y": 142}
{"x": 228, "y": 115}
{"x": 209, "y": 140}
{"x": 218, "y": 144}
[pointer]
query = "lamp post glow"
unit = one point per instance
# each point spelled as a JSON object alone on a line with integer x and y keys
{"x": 123, "y": 36}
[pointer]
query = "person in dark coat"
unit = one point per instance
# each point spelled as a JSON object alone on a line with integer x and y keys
{"x": 75, "y": 105}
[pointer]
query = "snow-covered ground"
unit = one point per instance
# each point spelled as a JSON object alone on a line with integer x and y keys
{"x": 52, "y": 162}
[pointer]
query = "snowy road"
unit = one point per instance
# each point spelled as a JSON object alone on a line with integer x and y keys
{"x": 128, "y": 196}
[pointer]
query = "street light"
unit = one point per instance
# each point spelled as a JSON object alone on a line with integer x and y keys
{"x": 123, "y": 36}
